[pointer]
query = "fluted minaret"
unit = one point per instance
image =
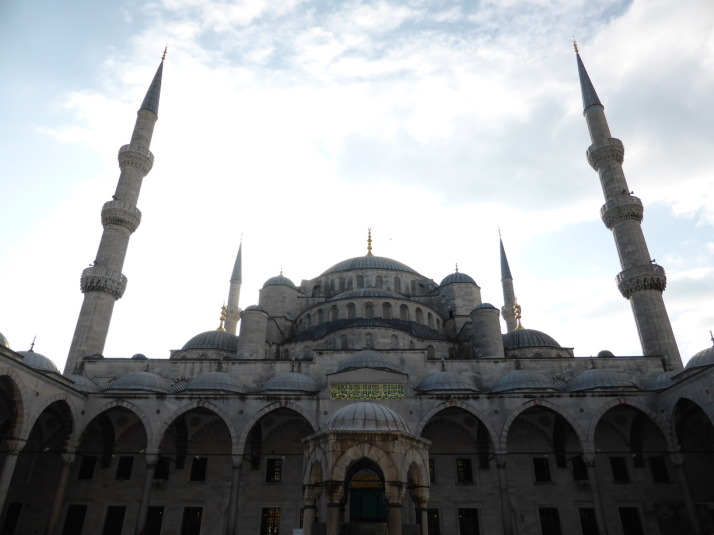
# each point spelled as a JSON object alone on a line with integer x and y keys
{"x": 641, "y": 281}
{"x": 103, "y": 282}
{"x": 232, "y": 309}
{"x": 509, "y": 295}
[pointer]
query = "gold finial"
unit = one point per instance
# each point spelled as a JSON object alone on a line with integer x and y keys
{"x": 281, "y": 271}
{"x": 32, "y": 345}
{"x": 457, "y": 267}
{"x": 166, "y": 49}
{"x": 517, "y": 312}
{"x": 575, "y": 45}
{"x": 369, "y": 242}
{"x": 224, "y": 309}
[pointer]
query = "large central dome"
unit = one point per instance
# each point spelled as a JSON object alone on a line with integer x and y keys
{"x": 369, "y": 262}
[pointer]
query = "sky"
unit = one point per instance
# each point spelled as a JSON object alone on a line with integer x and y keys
{"x": 300, "y": 124}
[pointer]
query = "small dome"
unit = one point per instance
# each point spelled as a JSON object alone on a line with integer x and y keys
{"x": 605, "y": 353}
{"x": 216, "y": 381}
{"x": 369, "y": 262}
{"x": 139, "y": 356}
{"x": 527, "y": 338}
{"x": 594, "y": 379}
{"x": 522, "y": 380}
{"x": 3, "y": 341}
{"x": 703, "y": 358}
{"x": 141, "y": 381}
{"x": 367, "y": 358}
{"x": 82, "y": 383}
{"x": 279, "y": 280}
{"x": 37, "y": 361}
{"x": 292, "y": 381}
{"x": 255, "y": 308}
{"x": 445, "y": 380}
{"x": 366, "y": 292}
{"x": 662, "y": 381}
{"x": 457, "y": 277}
{"x": 486, "y": 306}
{"x": 366, "y": 416}
{"x": 222, "y": 340}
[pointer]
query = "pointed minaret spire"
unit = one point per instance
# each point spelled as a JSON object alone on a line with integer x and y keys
{"x": 103, "y": 282}
{"x": 233, "y": 310}
{"x": 509, "y": 295}
{"x": 641, "y": 281}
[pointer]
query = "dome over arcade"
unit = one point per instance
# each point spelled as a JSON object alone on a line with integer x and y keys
{"x": 446, "y": 381}
{"x": 255, "y": 308}
{"x": 217, "y": 339}
{"x": 597, "y": 378}
{"x": 219, "y": 381}
{"x": 82, "y": 383}
{"x": 365, "y": 416}
{"x": 457, "y": 277}
{"x": 280, "y": 280}
{"x": 662, "y": 381}
{"x": 369, "y": 262}
{"x": 3, "y": 341}
{"x": 141, "y": 381}
{"x": 521, "y": 338}
{"x": 37, "y": 361}
{"x": 291, "y": 381}
{"x": 522, "y": 380}
{"x": 704, "y": 358}
{"x": 367, "y": 358}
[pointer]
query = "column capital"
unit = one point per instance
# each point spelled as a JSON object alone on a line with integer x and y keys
{"x": 68, "y": 457}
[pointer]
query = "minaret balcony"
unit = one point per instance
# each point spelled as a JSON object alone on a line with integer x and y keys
{"x": 639, "y": 278}
{"x": 605, "y": 151}
{"x": 122, "y": 214}
{"x": 621, "y": 209}
{"x": 99, "y": 279}
{"x": 135, "y": 155}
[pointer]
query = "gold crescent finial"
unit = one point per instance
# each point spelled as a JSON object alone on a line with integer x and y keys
{"x": 517, "y": 312}
{"x": 224, "y": 309}
{"x": 369, "y": 242}
{"x": 457, "y": 267}
{"x": 166, "y": 49}
{"x": 575, "y": 45}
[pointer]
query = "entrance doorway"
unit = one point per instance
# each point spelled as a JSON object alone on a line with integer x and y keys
{"x": 366, "y": 502}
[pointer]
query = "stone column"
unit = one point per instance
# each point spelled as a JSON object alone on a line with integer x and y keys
{"x": 334, "y": 505}
{"x": 8, "y": 468}
{"x": 506, "y": 513}
{"x": 67, "y": 460}
{"x": 151, "y": 460}
{"x": 311, "y": 495}
{"x": 589, "y": 460}
{"x": 233, "y": 499}
{"x": 394, "y": 493}
{"x": 678, "y": 461}
{"x": 424, "y": 521}
{"x": 420, "y": 497}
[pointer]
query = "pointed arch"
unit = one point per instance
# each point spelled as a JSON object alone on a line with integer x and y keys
{"x": 245, "y": 431}
{"x": 171, "y": 417}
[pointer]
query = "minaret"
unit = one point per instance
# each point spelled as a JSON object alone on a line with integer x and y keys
{"x": 509, "y": 296}
{"x": 641, "y": 281}
{"x": 232, "y": 309}
{"x": 103, "y": 282}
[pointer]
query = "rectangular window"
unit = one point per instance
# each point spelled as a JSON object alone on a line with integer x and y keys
{"x": 630, "y": 518}
{"x": 11, "y": 517}
{"x": 191, "y": 522}
{"x": 619, "y": 470}
{"x": 468, "y": 522}
{"x": 270, "y": 521}
{"x": 161, "y": 470}
{"x": 588, "y": 524}
{"x": 86, "y": 467}
{"x": 114, "y": 521}
{"x": 198, "y": 468}
{"x": 274, "y": 471}
{"x": 541, "y": 469}
{"x": 432, "y": 471}
{"x": 549, "y": 521}
{"x": 580, "y": 471}
{"x": 154, "y": 519}
{"x": 124, "y": 466}
{"x": 74, "y": 521}
{"x": 464, "y": 474}
{"x": 659, "y": 470}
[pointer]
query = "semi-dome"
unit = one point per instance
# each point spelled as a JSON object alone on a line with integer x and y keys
{"x": 704, "y": 358}
{"x": 367, "y": 358}
{"x": 279, "y": 280}
{"x": 292, "y": 381}
{"x": 369, "y": 262}
{"x": 594, "y": 379}
{"x": 222, "y": 340}
{"x": 366, "y": 292}
{"x": 37, "y": 361}
{"x": 220, "y": 381}
{"x": 3, "y": 341}
{"x": 520, "y": 338}
{"x": 522, "y": 380}
{"x": 82, "y": 383}
{"x": 365, "y": 416}
{"x": 141, "y": 381}
{"x": 446, "y": 381}
{"x": 457, "y": 277}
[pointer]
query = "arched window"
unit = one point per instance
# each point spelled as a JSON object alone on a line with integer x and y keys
{"x": 430, "y": 353}
{"x": 316, "y": 291}
{"x": 349, "y": 283}
{"x": 360, "y": 281}
{"x": 397, "y": 285}
{"x": 351, "y": 311}
{"x": 419, "y": 316}
{"x": 343, "y": 342}
{"x": 368, "y": 341}
{"x": 378, "y": 281}
{"x": 394, "y": 342}
{"x": 319, "y": 316}
{"x": 430, "y": 320}
{"x": 386, "y": 311}
{"x": 306, "y": 352}
{"x": 411, "y": 344}
{"x": 286, "y": 354}
{"x": 333, "y": 313}
{"x": 308, "y": 320}
{"x": 342, "y": 284}
{"x": 404, "y": 313}
{"x": 369, "y": 311}
{"x": 414, "y": 287}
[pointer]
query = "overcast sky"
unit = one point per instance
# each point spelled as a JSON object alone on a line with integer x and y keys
{"x": 299, "y": 124}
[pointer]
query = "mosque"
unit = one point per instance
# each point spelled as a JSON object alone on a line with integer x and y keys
{"x": 366, "y": 400}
